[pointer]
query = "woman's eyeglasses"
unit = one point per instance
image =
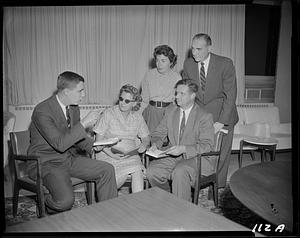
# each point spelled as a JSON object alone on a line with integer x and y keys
{"x": 126, "y": 100}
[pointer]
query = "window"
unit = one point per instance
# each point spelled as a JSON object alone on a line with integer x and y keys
{"x": 262, "y": 24}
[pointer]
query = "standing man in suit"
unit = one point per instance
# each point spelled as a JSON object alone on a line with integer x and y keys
{"x": 215, "y": 76}
{"x": 56, "y": 132}
{"x": 190, "y": 131}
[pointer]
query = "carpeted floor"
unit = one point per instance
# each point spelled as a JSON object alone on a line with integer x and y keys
{"x": 230, "y": 206}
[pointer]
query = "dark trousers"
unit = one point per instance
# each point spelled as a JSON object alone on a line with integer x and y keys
{"x": 225, "y": 157}
{"x": 56, "y": 178}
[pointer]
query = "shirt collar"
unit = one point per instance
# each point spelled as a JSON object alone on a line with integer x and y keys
{"x": 63, "y": 107}
{"x": 206, "y": 61}
{"x": 186, "y": 111}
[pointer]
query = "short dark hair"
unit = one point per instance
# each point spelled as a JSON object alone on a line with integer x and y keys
{"x": 193, "y": 87}
{"x": 166, "y": 51}
{"x": 134, "y": 93}
{"x": 203, "y": 36}
{"x": 68, "y": 79}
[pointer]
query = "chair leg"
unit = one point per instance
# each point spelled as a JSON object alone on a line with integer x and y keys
{"x": 15, "y": 199}
{"x": 263, "y": 155}
{"x": 196, "y": 194}
{"x": 146, "y": 183}
{"x": 240, "y": 156}
{"x": 210, "y": 193}
{"x": 215, "y": 195}
{"x": 41, "y": 210}
{"x": 252, "y": 155}
{"x": 89, "y": 192}
{"x": 94, "y": 191}
{"x": 216, "y": 209}
{"x": 273, "y": 153}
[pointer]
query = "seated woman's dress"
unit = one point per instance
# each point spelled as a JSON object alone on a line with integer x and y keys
{"x": 113, "y": 124}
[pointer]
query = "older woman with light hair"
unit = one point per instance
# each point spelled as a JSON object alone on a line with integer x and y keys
{"x": 123, "y": 121}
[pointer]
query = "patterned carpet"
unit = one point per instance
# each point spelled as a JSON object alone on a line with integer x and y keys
{"x": 230, "y": 206}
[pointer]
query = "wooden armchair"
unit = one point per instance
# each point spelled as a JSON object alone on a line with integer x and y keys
{"x": 19, "y": 145}
{"x": 211, "y": 180}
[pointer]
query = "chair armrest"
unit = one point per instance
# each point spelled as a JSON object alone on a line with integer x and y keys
{"x": 27, "y": 158}
{"x": 212, "y": 153}
{"x": 37, "y": 159}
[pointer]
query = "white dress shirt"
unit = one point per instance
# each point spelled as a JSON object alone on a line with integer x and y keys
{"x": 187, "y": 113}
{"x": 63, "y": 107}
{"x": 206, "y": 63}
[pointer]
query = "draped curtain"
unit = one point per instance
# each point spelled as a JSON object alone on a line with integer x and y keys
{"x": 108, "y": 45}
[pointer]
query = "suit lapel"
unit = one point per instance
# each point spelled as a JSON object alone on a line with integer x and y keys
{"x": 57, "y": 110}
{"x": 175, "y": 125}
{"x": 196, "y": 71}
{"x": 210, "y": 74}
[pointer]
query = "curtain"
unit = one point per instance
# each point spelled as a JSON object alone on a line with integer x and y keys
{"x": 108, "y": 45}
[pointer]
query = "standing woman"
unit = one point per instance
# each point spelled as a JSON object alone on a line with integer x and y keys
{"x": 158, "y": 86}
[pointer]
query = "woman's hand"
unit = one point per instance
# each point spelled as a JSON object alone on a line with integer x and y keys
{"x": 218, "y": 126}
{"x": 153, "y": 148}
{"x": 142, "y": 148}
{"x": 114, "y": 156}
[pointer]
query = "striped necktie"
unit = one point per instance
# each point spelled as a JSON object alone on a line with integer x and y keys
{"x": 68, "y": 116}
{"x": 202, "y": 77}
{"x": 182, "y": 126}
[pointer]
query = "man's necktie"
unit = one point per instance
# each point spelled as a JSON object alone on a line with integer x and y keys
{"x": 182, "y": 126}
{"x": 68, "y": 116}
{"x": 202, "y": 77}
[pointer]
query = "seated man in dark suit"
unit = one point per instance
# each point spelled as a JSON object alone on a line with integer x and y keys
{"x": 190, "y": 131}
{"x": 56, "y": 130}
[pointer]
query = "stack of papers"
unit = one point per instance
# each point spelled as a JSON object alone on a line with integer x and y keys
{"x": 157, "y": 153}
{"x": 109, "y": 141}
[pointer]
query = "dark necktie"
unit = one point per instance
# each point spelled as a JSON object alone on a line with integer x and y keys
{"x": 182, "y": 126}
{"x": 202, "y": 77}
{"x": 68, "y": 116}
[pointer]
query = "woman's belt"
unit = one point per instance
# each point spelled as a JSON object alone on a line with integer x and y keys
{"x": 159, "y": 104}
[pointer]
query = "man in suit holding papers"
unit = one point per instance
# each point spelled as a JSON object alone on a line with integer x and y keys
{"x": 56, "y": 132}
{"x": 190, "y": 131}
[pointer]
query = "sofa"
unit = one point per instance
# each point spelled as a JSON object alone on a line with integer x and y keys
{"x": 267, "y": 116}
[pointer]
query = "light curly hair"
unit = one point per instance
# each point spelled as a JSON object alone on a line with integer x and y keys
{"x": 135, "y": 95}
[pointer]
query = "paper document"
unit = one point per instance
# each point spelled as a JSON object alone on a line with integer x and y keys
{"x": 109, "y": 141}
{"x": 157, "y": 153}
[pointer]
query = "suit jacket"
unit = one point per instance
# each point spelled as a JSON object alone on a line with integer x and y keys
{"x": 198, "y": 136}
{"x": 220, "y": 89}
{"x": 50, "y": 137}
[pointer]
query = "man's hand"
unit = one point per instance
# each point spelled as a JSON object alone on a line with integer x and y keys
{"x": 142, "y": 148}
{"x": 218, "y": 126}
{"x": 176, "y": 150}
{"x": 90, "y": 119}
{"x": 153, "y": 148}
{"x": 98, "y": 148}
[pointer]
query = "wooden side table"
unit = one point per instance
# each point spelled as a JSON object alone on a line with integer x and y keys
{"x": 260, "y": 143}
